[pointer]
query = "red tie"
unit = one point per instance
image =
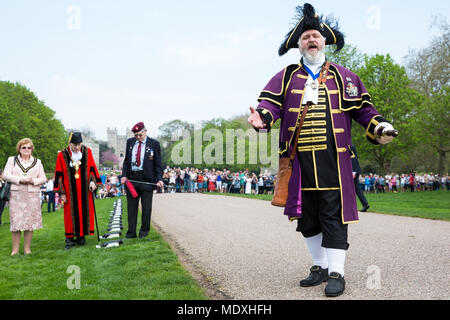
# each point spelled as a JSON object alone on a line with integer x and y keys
{"x": 138, "y": 155}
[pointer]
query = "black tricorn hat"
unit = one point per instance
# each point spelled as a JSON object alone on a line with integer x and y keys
{"x": 75, "y": 137}
{"x": 309, "y": 20}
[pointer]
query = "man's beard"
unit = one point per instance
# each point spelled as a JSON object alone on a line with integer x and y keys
{"x": 76, "y": 155}
{"x": 313, "y": 59}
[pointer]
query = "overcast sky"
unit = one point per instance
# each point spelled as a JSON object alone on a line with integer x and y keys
{"x": 102, "y": 64}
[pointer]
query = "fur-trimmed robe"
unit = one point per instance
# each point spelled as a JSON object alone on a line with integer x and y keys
{"x": 79, "y": 208}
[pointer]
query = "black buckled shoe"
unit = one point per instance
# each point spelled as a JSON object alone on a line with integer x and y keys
{"x": 364, "y": 209}
{"x": 335, "y": 286}
{"x": 143, "y": 235}
{"x": 69, "y": 243}
{"x": 81, "y": 241}
{"x": 316, "y": 277}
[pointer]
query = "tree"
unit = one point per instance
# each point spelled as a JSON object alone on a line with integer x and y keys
{"x": 429, "y": 70}
{"x": 220, "y": 143}
{"x": 389, "y": 87}
{"x": 434, "y": 126}
{"x": 348, "y": 57}
{"x": 23, "y": 115}
{"x": 110, "y": 157}
{"x": 168, "y": 131}
{"x": 103, "y": 146}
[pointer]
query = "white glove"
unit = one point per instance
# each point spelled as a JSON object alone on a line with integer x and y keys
{"x": 386, "y": 126}
{"x": 92, "y": 186}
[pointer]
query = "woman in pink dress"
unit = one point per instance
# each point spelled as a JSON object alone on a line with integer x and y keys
{"x": 212, "y": 182}
{"x": 26, "y": 174}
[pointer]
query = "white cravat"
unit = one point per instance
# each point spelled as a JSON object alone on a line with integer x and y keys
{"x": 312, "y": 95}
{"x": 314, "y": 66}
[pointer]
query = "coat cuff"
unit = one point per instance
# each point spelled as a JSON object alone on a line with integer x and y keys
{"x": 370, "y": 131}
{"x": 266, "y": 116}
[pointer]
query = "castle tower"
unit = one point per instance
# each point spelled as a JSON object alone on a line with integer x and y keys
{"x": 111, "y": 135}
{"x": 118, "y": 143}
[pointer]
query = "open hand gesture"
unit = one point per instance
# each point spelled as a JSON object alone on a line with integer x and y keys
{"x": 255, "y": 119}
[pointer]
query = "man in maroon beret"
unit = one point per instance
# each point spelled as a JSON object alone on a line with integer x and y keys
{"x": 142, "y": 165}
{"x": 138, "y": 127}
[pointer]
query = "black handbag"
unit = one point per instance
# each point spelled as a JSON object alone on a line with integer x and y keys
{"x": 5, "y": 191}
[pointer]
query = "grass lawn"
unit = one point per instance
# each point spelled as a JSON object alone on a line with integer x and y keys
{"x": 138, "y": 269}
{"x": 430, "y": 205}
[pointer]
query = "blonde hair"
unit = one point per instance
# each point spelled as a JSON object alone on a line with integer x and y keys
{"x": 22, "y": 142}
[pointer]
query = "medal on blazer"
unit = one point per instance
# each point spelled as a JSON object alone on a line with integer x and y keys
{"x": 76, "y": 165}
{"x": 313, "y": 85}
{"x": 77, "y": 169}
{"x": 150, "y": 157}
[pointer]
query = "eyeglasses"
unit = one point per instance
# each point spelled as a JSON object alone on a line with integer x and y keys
{"x": 23, "y": 148}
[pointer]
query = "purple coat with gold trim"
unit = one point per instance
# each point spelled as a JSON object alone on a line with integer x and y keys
{"x": 349, "y": 100}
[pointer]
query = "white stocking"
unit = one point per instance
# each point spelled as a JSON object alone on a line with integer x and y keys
{"x": 318, "y": 253}
{"x": 336, "y": 260}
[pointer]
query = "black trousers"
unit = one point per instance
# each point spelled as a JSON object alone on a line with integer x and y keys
{"x": 321, "y": 213}
{"x": 145, "y": 194}
{"x": 51, "y": 201}
{"x": 359, "y": 192}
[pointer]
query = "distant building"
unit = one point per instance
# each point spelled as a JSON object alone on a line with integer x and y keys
{"x": 118, "y": 143}
{"x": 94, "y": 146}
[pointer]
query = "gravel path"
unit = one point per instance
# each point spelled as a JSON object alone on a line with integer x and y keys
{"x": 249, "y": 250}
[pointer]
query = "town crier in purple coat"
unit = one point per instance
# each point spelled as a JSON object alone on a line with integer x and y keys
{"x": 321, "y": 189}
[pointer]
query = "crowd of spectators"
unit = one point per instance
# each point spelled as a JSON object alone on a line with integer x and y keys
{"x": 221, "y": 181}
{"x": 194, "y": 180}
{"x": 373, "y": 183}
{"x": 111, "y": 186}
{"x": 178, "y": 180}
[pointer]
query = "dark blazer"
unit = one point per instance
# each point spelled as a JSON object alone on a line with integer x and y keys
{"x": 152, "y": 160}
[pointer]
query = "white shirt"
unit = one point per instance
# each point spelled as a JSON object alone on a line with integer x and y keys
{"x": 50, "y": 185}
{"x": 26, "y": 163}
{"x": 133, "y": 156}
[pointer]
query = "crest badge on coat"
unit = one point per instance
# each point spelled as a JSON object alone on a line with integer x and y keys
{"x": 150, "y": 157}
{"x": 351, "y": 89}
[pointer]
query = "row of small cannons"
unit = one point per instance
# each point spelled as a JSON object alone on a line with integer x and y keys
{"x": 115, "y": 227}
